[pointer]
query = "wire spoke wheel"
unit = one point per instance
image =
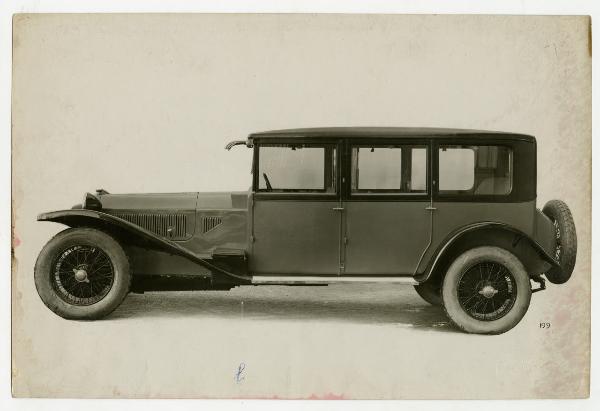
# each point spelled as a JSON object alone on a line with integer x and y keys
{"x": 82, "y": 275}
{"x": 487, "y": 291}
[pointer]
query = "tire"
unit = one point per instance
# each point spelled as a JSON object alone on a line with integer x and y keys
{"x": 430, "y": 292}
{"x": 82, "y": 274}
{"x": 566, "y": 241}
{"x": 470, "y": 287}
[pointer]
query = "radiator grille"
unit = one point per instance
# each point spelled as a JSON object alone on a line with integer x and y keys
{"x": 169, "y": 225}
{"x": 208, "y": 223}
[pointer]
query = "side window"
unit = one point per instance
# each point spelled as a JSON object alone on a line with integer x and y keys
{"x": 385, "y": 169}
{"x": 286, "y": 168}
{"x": 475, "y": 170}
{"x": 457, "y": 169}
{"x": 377, "y": 168}
{"x": 418, "y": 175}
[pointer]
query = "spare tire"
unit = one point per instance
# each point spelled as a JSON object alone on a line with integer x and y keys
{"x": 565, "y": 252}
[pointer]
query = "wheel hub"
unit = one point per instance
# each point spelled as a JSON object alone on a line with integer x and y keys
{"x": 488, "y": 291}
{"x": 81, "y": 275}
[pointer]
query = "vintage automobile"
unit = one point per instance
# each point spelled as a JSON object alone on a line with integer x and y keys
{"x": 451, "y": 212}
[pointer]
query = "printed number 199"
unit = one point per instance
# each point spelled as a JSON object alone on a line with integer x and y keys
{"x": 544, "y": 325}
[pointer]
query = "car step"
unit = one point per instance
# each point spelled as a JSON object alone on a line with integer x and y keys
{"x": 308, "y": 280}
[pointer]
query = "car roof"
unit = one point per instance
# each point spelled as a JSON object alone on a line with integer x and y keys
{"x": 386, "y": 132}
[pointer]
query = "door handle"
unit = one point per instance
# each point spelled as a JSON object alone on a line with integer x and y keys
{"x": 430, "y": 208}
{"x": 338, "y": 208}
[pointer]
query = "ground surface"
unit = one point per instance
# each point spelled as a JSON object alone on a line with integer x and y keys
{"x": 341, "y": 341}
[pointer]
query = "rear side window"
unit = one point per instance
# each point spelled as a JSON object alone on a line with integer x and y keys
{"x": 389, "y": 169}
{"x": 475, "y": 170}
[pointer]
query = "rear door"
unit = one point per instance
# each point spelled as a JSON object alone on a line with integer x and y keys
{"x": 387, "y": 206}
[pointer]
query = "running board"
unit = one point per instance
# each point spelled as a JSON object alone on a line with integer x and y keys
{"x": 308, "y": 280}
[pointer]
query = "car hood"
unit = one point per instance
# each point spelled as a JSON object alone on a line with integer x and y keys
{"x": 174, "y": 201}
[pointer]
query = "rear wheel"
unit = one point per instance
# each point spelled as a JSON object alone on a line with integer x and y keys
{"x": 82, "y": 273}
{"x": 486, "y": 291}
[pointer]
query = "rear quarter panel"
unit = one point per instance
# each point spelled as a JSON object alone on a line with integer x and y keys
{"x": 450, "y": 217}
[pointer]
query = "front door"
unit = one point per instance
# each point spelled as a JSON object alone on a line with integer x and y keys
{"x": 387, "y": 207}
{"x": 296, "y": 224}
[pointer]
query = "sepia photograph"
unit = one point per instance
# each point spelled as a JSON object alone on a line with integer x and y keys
{"x": 301, "y": 206}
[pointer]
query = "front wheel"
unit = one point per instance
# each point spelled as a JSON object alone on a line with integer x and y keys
{"x": 486, "y": 291}
{"x": 82, "y": 274}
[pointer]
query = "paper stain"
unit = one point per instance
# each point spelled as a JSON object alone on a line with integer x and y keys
{"x": 328, "y": 396}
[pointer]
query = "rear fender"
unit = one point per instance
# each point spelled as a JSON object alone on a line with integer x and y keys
{"x": 531, "y": 254}
{"x": 131, "y": 234}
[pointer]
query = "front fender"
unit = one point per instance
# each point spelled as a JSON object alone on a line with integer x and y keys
{"x": 111, "y": 223}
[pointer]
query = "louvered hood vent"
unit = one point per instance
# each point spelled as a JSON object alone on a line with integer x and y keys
{"x": 209, "y": 223}
{"x": 168, "y": 225}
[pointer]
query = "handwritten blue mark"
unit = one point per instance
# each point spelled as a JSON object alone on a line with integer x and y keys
{"x": 239, "y": 377}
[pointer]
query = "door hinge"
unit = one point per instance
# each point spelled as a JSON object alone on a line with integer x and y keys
{"x": 345, "y": 240}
